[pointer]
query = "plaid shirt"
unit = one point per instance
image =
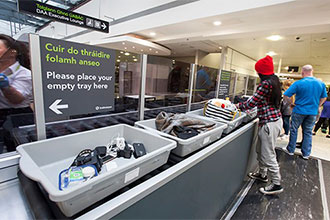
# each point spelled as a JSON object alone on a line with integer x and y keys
{"x": 266, "y": 111}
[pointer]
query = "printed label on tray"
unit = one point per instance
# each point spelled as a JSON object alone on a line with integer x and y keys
{"x": 132, "y": 174}
{"x": 206, "y": 140}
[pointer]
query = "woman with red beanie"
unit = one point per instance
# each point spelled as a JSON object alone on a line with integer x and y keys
{"x": 267, "y": 99}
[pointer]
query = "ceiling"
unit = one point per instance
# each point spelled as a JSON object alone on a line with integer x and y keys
{"x": 246, "y": 31}
{"x": 132, "y": 44}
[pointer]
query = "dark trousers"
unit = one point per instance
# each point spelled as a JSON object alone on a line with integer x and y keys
{"x": 5, "y": 131}
{"x": 321, "y": 121}
{"x": 286, "y": 123}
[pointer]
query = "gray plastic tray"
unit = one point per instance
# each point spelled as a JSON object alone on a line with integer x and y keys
{"x": 42, "y": 161}
{"x": 231, "y": 125}
{"x": 251, "y": 115}
{"x": 187, "y": 146}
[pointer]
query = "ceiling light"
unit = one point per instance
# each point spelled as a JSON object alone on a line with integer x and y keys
{"x": 118, "y": 60}
{"x": 127, "y": 54}
{"x": 125, "y": 48}
{"x": 150, "y": 49}
{"x": 133, "y": 56}
{"x": 135, "y": 60}
{"x": 274, "y": 37}
{"x": 133, "y": 47}
{"x": 152, "y": 34}
{"x": 271, "y": 53}
{"x": 118, "y": 56}
{"x": 323, "y": 39}
{"x": 121, "y": 52}
{"x": 286, "y": 68}
{"x": 123, "y": 43}
{"x": 220, "y": 48}
{"x": 217, "y": 23}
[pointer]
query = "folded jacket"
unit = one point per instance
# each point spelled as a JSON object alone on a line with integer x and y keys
{"x": 165, "y": 122}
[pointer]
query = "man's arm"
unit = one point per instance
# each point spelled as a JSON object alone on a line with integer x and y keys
{"x": 322, "y": 100}
{"x": 12, "y": 95}
{"x": 288, "y": 100}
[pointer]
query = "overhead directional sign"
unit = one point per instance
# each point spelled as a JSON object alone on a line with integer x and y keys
{"x": 76, "y": 78}
{"x": 62, "y": 15}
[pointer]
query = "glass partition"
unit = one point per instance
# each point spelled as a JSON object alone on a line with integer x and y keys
{"x": 128, "y": 77}
{"x": 251, "y": 85}
{"x": 166, "y": 83}
{"x": 204, "y": 83}
{"x": 16, "y": 99}
{"x": 241, "y": 85}
{"x": 232, "y": 86}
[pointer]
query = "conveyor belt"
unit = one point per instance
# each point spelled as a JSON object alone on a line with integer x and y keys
{"x": 75, "y": 126}
{"x": 30, "y": 189}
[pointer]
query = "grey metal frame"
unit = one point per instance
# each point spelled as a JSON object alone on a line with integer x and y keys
{"x": 144, "y": 58}
{"x": 246, "y": 84}
{"x": 235, "y": 84}
{"x": 39, "y": 111}
{"x": 222, "y": 67}
{"x": 191, "y": 85}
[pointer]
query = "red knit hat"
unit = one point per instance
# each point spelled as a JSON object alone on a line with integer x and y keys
{"x": 265, "y": 66}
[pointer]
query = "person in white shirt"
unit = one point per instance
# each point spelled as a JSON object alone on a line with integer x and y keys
{"x": 15, "y": 78}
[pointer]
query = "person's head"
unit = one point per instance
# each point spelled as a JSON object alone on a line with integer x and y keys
{"x": 286, "y": 84}
{"x": 265, "y": 66}
{"x": 307, "y": 71}
{"x": 265, "y": 70}
{"x": 12, "y": 51}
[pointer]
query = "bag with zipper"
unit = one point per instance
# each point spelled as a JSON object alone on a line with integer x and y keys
{"x": 221, "y": 110}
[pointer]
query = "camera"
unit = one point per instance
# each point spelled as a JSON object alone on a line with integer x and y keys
{"x": 298, "y": 38}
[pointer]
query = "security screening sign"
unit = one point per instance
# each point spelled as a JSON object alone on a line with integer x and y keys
{"x": 76, "y": 78}
{"x": 224, "y": 84}
{"x": 61, "y": 15}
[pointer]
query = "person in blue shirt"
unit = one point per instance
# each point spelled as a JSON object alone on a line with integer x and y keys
{"x": 310, "y": 95}
{"x": 203, "y": 84}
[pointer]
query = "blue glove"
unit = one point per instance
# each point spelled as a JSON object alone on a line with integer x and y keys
{"x": 4, "y": 82}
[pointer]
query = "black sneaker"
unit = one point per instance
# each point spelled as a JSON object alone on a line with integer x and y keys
{"x": 271, "y": 189}
{"x": 258, "y": 176}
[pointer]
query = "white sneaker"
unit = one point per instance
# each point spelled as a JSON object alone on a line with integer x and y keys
{"x": 286, "y": 151}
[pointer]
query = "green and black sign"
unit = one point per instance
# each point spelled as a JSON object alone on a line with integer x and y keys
{"x": 76, "y": 78}
{"x": 224, "y": 84}
{"x": 62, "y": 15}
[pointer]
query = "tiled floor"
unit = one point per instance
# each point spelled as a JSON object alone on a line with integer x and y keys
{"x": 320, "y": 146}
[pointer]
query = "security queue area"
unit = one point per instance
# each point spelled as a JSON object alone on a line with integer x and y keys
{"x": 126, "y": 110}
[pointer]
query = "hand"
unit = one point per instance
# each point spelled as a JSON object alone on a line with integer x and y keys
{"x": 4, "y": 82}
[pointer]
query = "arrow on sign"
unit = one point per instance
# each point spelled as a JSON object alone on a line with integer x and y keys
{"x": 103, "y": 26}
{"x": 55, "y": 106}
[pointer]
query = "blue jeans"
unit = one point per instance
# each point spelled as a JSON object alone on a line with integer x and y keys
{"x": 307, "y": 122}
{"x": 286, "y": 123}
